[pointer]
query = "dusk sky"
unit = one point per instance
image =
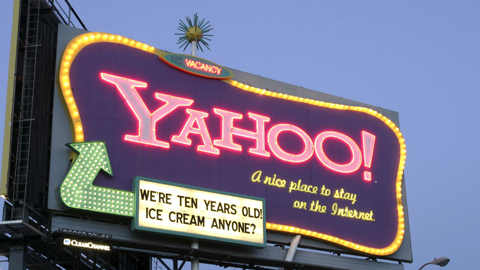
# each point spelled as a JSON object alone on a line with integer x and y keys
{"x": 419, "y": 58}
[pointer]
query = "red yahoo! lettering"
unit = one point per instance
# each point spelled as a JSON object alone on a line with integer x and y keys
{"x": 195, "y": 124}
{"x": 146, "y": 120}
{"x": 350, "y": 167}
{"x": 280, "y": 153}
{"x": 196, "y": 117}
{"x": 228, "y": 130}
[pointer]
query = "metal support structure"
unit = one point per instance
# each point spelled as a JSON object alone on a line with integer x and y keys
{"x": 26, "y": 112}
{"x": 61, "y": 13}
{"x": 195, "y": 245}
{"x": 18, "y": 253}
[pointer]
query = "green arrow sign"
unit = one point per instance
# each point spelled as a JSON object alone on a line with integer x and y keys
{"x": 78, "y": 191}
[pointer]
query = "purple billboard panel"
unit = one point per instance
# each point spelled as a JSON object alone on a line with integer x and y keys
{"x": 327, "y": 171}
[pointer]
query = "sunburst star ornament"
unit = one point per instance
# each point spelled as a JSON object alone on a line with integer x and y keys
{"x": 195, "y": 33}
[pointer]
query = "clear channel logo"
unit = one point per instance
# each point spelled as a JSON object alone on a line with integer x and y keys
{"x": 89, "y": 245}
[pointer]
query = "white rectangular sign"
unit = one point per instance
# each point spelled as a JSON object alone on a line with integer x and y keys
{"x": 196, "y": 212}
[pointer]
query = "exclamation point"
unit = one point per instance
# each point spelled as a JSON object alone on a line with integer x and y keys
{"x": 368, "y": 146}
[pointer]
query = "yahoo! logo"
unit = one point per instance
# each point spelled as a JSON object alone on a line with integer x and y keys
{"x": 195, "y": 124}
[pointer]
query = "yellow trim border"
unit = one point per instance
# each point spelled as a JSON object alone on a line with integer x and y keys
{"x": 81, "y": 41}
{"x": 7, "y": 130}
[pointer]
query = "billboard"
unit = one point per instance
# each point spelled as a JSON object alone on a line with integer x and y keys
{"x": 132, "y": 113}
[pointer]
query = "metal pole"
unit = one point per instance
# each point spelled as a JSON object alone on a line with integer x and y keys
{"x": 69, "y": 14}
{"x": 194, "y": 48}
{"x": 424, "y": 266}
{"x": 195, "y": 260}
{"x": 292, "y": 249}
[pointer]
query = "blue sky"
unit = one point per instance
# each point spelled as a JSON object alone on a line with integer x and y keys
{"x": 420, "y": 58}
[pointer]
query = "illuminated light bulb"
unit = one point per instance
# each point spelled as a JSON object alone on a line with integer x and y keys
{"x": 240, "y": 85}
{"x": 85, "y": 38}
{"x": 65, "y": 70}
{"x": 66, "y": 84}
{"x": 70, "y": 51}
{"x": 152, "y": 49}
{"x": 125, "y": 40}
{"x": 79, "y": 41}
{"x": 138, "y": 44}
{"x": 145, "y": 46}
{"x": 119, "y": 38}
{"x": 132, "y": 42}
{"x": 74, "y": 46}
{"x": 92, "y": 37}
{"x": 246, "y": 87}
{"x": 98, "y": 36}
{"x": 234, "y": 83}
{"x": 66, "y": 64}
{"x": 111, "y": 37}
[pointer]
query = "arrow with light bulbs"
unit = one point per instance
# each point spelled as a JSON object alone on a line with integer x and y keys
{"x": 78, "y": 191}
